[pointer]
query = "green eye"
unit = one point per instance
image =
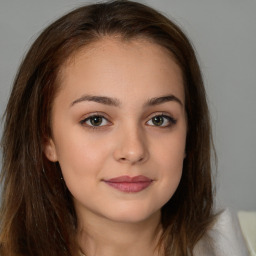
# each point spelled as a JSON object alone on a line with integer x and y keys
{"x": 94, "y": 121}
{"x": 158, "y": 120}
{"x": 162, "y": 121}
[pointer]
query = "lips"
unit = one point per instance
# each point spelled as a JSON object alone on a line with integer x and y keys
{"x": 129, "y": 184}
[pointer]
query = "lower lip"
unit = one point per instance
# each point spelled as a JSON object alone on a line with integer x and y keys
{"x": 130, "y": 187}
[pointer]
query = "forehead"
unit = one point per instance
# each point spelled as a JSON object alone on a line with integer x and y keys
{"x": 114, "y": 63}
{"x": 107, "y": 42}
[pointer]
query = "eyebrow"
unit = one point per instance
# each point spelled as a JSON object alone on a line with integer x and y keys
{"x": 116, "y": 103}
{"x": 163, "y": 99}
{"x": 99, "y": 99}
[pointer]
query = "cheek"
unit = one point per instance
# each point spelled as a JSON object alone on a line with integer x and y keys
{"x": 81, "y": 158}
{"x": 170, "y": 150}
{"x": 169, "y": 159}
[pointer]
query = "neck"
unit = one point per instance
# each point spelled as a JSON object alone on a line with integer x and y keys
{"x": 101, "y": 236}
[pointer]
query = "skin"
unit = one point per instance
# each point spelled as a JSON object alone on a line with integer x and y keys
{"x": 127, "y": 142}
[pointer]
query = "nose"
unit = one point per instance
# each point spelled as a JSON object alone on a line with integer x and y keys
{"x": 131, "y": 147}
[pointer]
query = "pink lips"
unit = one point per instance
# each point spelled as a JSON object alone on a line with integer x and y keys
{"x": 129, "y": 184}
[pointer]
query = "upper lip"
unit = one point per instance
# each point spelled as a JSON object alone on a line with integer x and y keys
{"x": 127, "y": 179}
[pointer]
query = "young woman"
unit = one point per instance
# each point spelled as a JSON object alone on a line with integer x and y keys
{"x": 107, "y": 140}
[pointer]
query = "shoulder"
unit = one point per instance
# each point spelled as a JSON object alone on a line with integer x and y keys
{"x": 224, "y": 239}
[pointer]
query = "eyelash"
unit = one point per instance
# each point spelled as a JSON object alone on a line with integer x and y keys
{"x": 172, "y": 121}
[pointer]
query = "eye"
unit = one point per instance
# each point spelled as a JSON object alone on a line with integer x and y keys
{"x": 162, "y": 121}
{"x": 94, "y": 121}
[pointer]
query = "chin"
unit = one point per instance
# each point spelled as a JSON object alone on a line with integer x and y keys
{"x": 133, "y": 215}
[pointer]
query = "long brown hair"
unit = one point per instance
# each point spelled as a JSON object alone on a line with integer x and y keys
{"x": 37, "y": 213}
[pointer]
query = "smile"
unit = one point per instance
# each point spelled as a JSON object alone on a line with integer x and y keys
{"x": 129, "y": 184}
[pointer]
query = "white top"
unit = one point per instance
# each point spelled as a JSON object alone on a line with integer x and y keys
{"x": 247, "y": 222}
{"x": 227, "y": 238}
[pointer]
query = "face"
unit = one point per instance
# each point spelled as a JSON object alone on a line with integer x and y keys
{"x": 119, "y": 129}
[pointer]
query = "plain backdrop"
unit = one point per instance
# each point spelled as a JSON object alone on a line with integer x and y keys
{"x": 223, "y": 33}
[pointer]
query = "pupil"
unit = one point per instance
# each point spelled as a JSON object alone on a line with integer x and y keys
{"x": 158, "y": 120}
{"x": 96, "y": 120}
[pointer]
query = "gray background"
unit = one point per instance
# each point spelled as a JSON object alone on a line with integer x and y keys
{"x": 224, "y": 35}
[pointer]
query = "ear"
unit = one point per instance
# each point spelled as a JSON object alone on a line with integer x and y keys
{"x": 50, "y": 150}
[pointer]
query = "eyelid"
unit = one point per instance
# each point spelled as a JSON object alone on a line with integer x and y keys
{"x": 90, "y": 115}
{"x": 160, "y": 113}
{"x": 170, "y": 118}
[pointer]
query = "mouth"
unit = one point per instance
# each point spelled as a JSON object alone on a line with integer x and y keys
{"x": 129, "y": 184}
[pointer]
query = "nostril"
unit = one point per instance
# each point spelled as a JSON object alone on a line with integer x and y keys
{"x": 130, "y": 152}
{"x": 141, "y": 159}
